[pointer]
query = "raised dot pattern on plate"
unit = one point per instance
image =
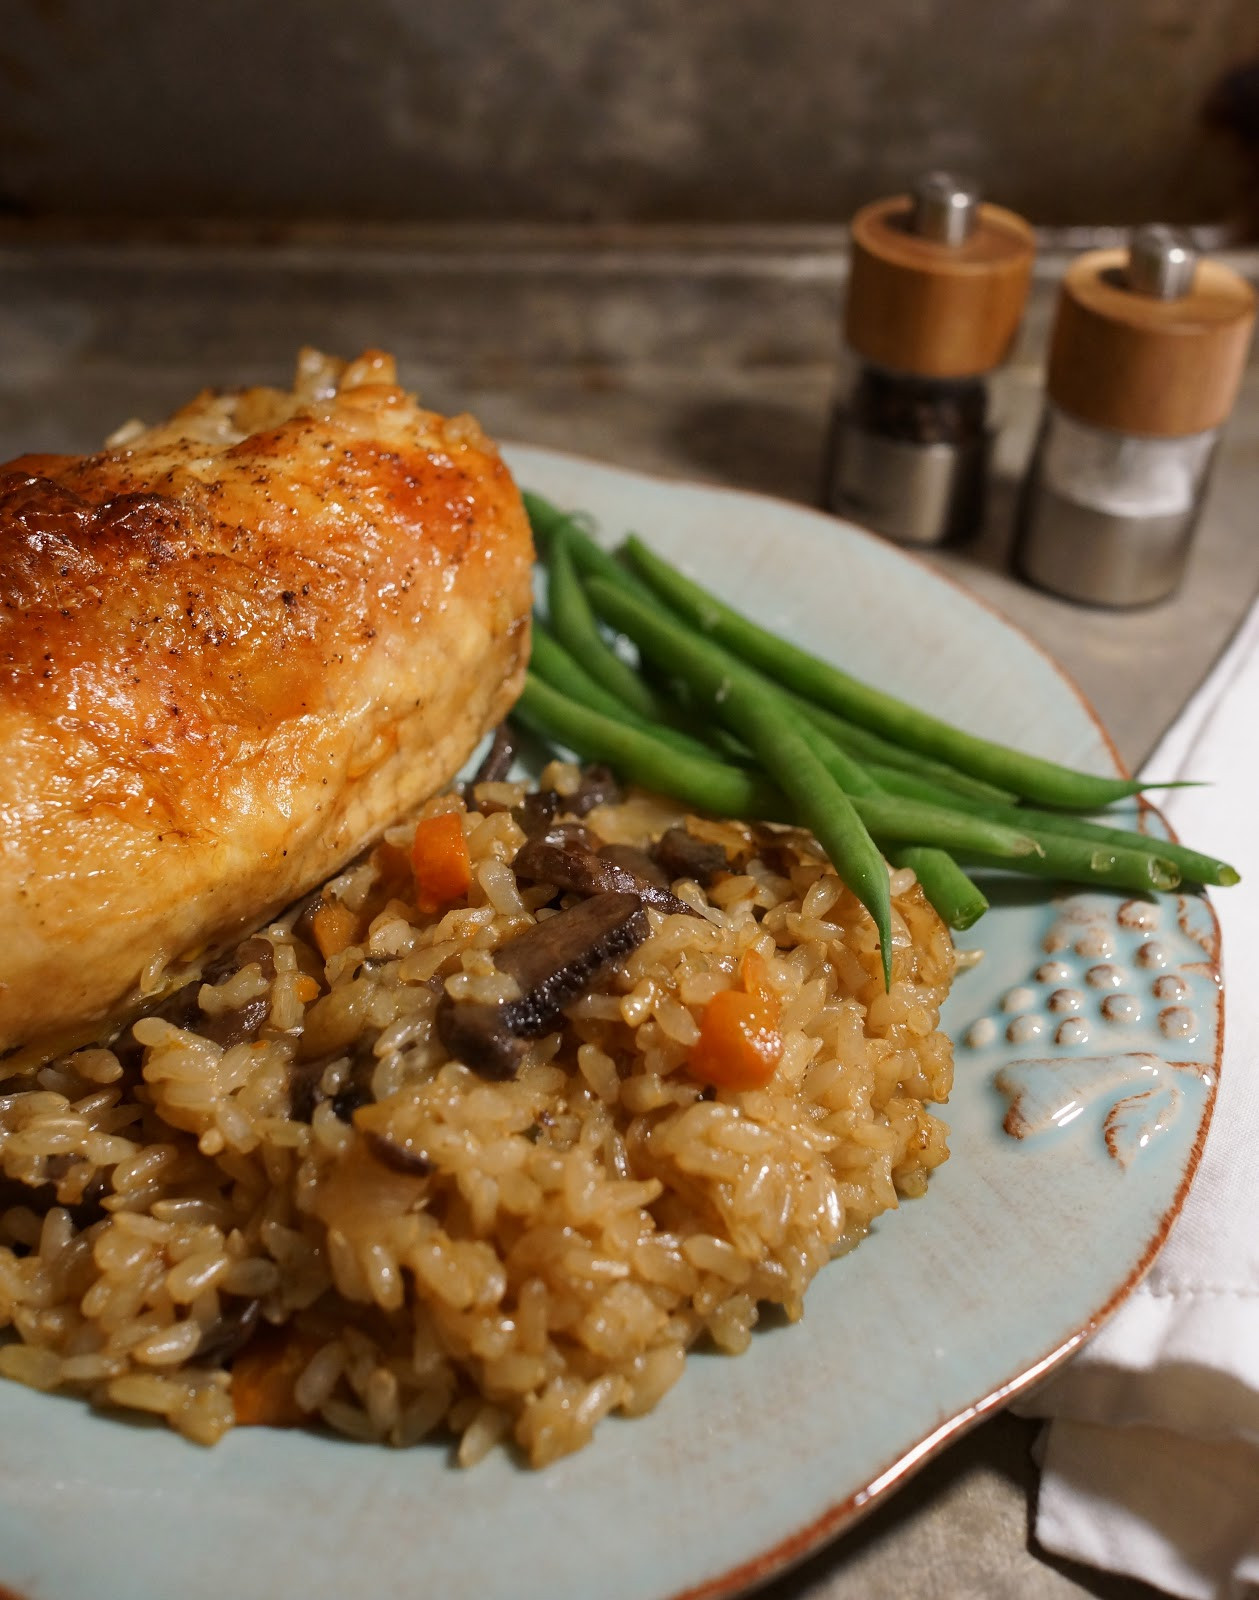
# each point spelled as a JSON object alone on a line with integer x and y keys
{"x": 1106, "y": 970}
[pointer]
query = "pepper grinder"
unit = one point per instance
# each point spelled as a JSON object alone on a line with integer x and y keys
{"x": 935, "y": 298}
{"x": 1146, "y": 357}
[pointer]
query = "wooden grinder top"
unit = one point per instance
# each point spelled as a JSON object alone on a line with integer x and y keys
{"x": 937, "y": 310}
{"x": 1128, "y": 361}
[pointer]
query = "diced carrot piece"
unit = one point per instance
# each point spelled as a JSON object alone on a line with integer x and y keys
{"x": 443, "y": 868}
{"x": 306, "y": 989}
{"x": 333, "y": 927}
{"x": 739, "y": 1044}
{"x": 754, "y": 975}
{"x": 264, "y": 1376}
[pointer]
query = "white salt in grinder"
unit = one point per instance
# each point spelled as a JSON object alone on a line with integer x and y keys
{"x": 935, "y": 297}
{"x": 1146, "y": 357}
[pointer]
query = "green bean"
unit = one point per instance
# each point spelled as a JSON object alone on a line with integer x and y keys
{"x": 700, "y": 781}
{"x": 723, "y": 790}
{"x": 918, "y": 786}
{"x": 715, "y": 736}
{"x": 914, "y": 820}
{"x": 579, "y": 633}
{"x": 888, "y": 818}
{"x": 552, "y": 663}
{"x": 590, "y": 558}
{"x": 870, "y": 747}
{"x": 892, "y": 820}
{"x": 549, "y": 659}
{"x": 553, "y": 527}
{"x": 1051, "y": 855}
{"x": 1082, "y": 861}
{"x": 545, "y": 519}
{"x": 958, "y": 901}
{"x": 818, "y": 680}
{"x": 576, "y": 629}
{"x": 726, "y": 685}
{"x": 707, "y": 784}
{"x": 723, "y": 681}
{"x": 1191, "y": 865}
{"x": 780, "y": 740}
{"x": 969, "y": 813}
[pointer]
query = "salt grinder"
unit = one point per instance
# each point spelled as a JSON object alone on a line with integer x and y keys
{"x": 1145, "y": 360}
{"x": 935, "y": 298}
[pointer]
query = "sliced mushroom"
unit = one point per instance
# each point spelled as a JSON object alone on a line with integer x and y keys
{"x": 583, "y": 872}
{"x": 496, "y": 763}
{"x": 182, "y": 1010}
{"x": 303, "y": 923}
{"x": 227, "y": 1028}
{"x": 485, "y": 1038}
{"x": 257, "y": 950}
{"x": 228, "y": 1334}
{"x": 632, "y": 859}
{"x": 40, "y": 1196}
{"x": 235, "y": 1027}
{"x": 598, "y": 787}
{"x": 537, "y": 811}
{"x": 553, "y": 962}
{"x": 413, "y": 1163}
{"x": 682, "y": 855}
{"x": 575, "y": 835}
{"x": 180, "y": 1007}
{"x": 305, "y": 1078}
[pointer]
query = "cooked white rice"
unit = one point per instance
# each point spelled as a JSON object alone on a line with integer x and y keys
{"x": 400, "y": 1248}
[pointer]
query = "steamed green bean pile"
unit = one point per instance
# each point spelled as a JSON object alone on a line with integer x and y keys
{"x": 733, "y": 720}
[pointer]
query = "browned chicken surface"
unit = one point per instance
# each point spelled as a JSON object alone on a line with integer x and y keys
{"x": 233, "y": 648}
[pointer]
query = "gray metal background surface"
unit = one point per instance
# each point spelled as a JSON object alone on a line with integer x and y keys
{"x": 1074, "y": 111}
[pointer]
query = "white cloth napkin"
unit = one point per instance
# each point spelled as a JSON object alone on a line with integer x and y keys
{"x": 1151, "y": 1461}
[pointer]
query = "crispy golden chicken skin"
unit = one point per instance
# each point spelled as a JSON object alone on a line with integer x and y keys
{"x": 233, "y": 648}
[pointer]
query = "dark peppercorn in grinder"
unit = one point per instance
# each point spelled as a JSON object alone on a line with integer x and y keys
{"x": 935, "y": 298}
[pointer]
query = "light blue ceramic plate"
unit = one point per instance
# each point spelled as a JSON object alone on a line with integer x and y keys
{"x": 1079, "y": 1109}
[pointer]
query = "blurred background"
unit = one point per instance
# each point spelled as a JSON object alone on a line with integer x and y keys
{"x": 750, "y": 111}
